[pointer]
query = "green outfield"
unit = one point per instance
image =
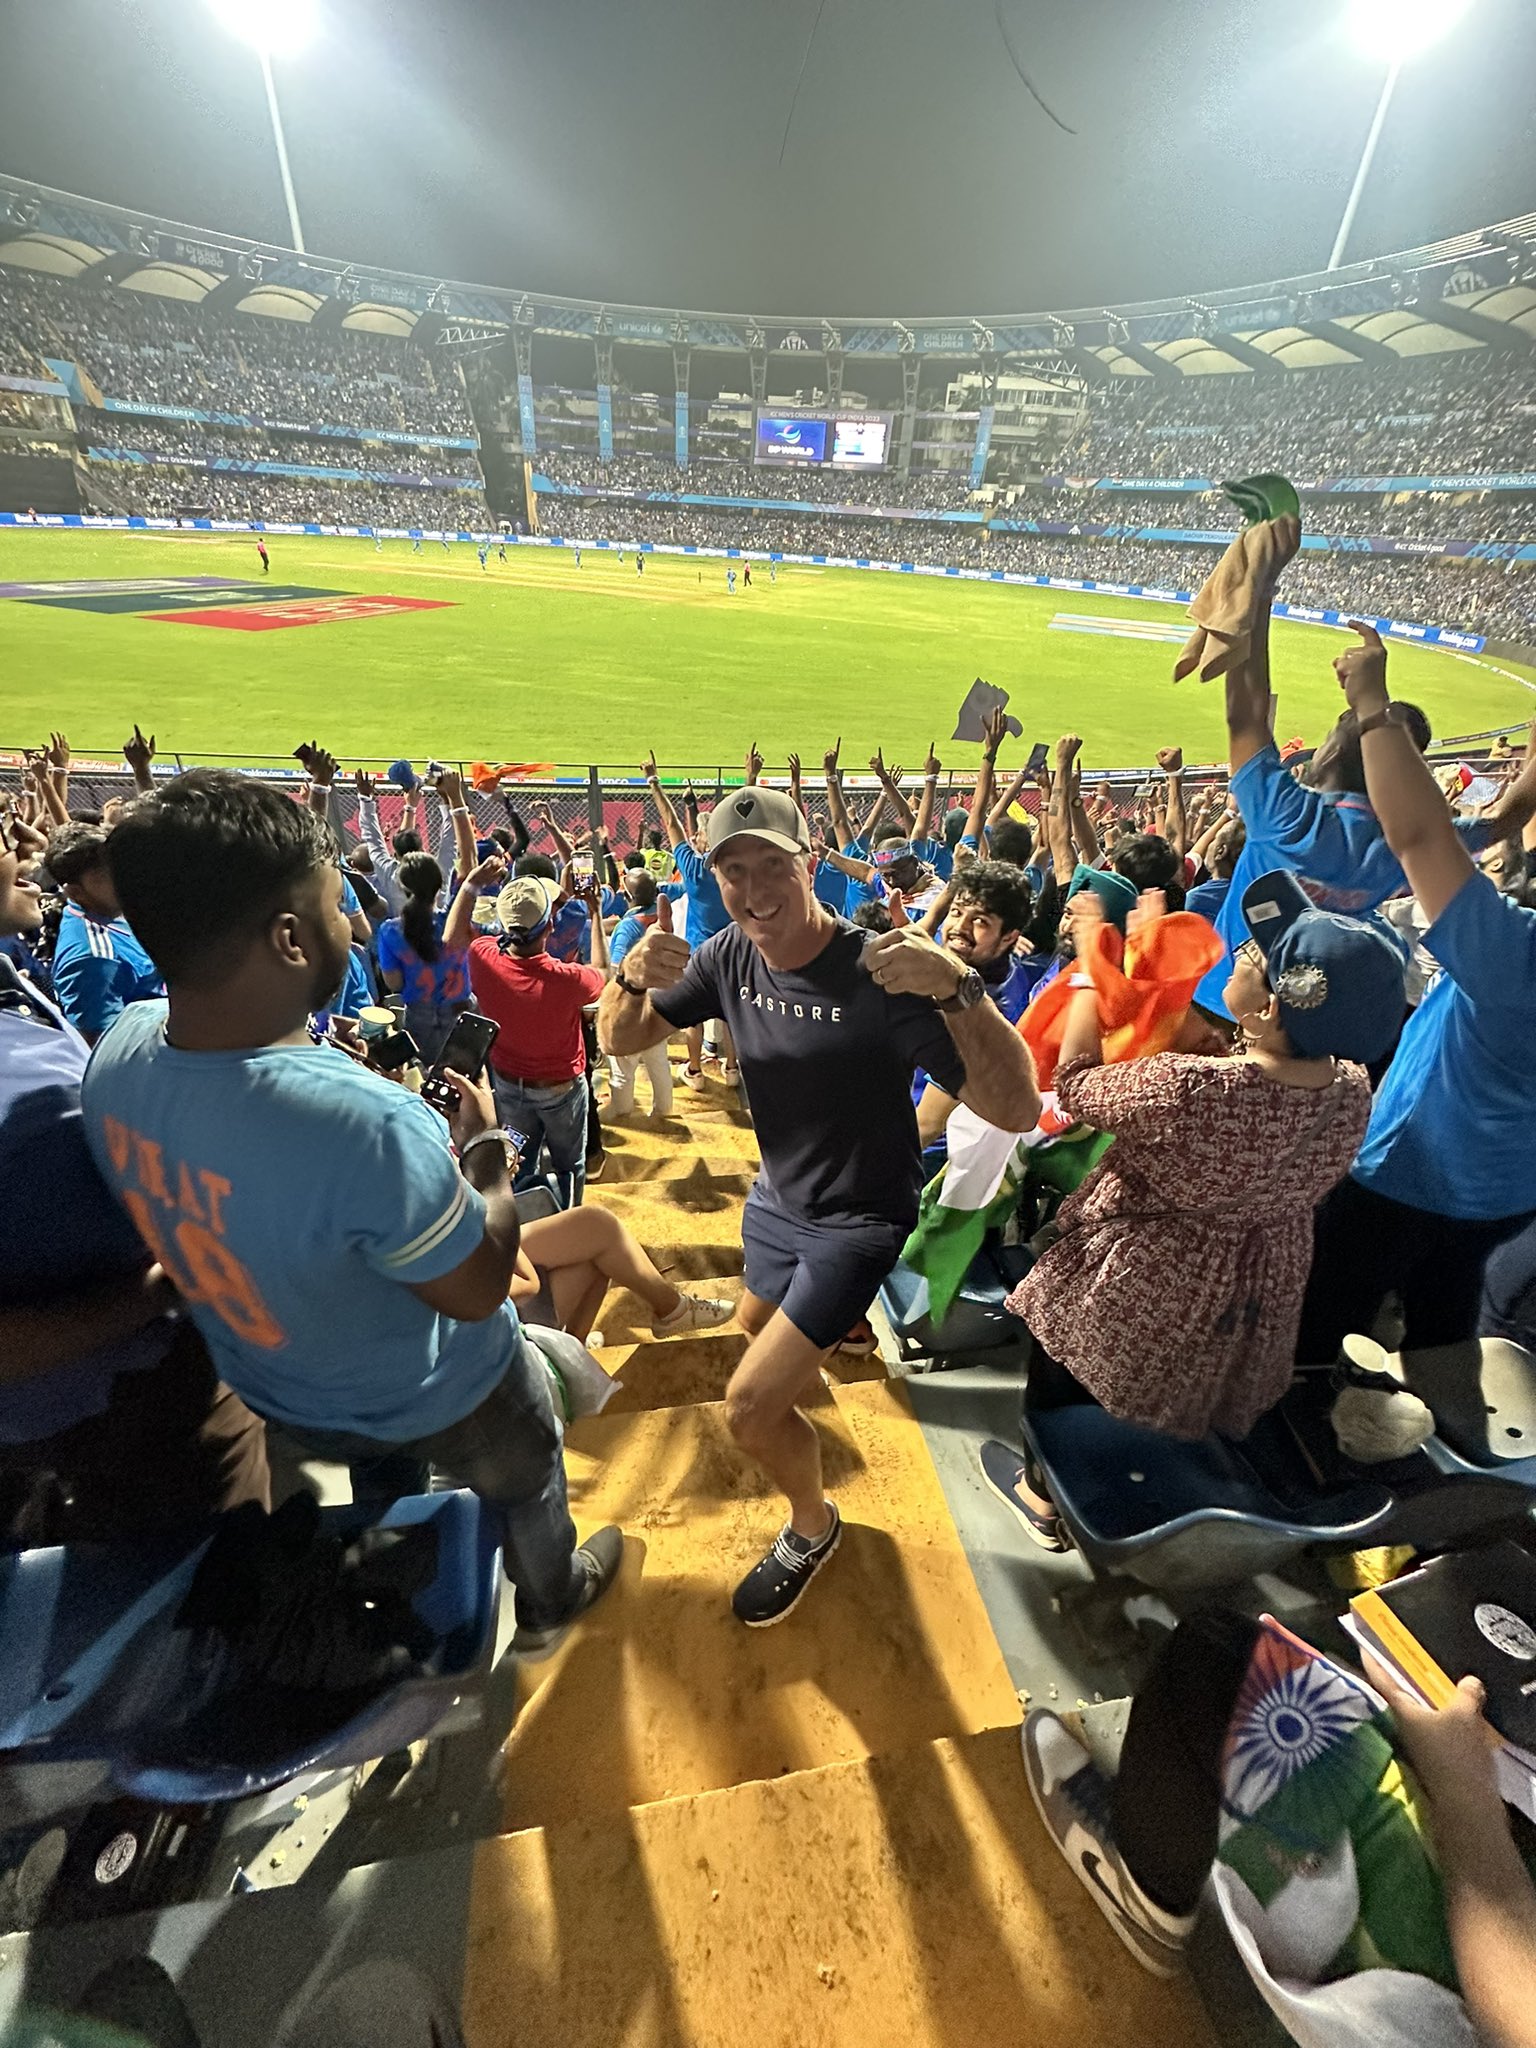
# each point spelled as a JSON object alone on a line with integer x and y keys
{"x": 536, "y": 660}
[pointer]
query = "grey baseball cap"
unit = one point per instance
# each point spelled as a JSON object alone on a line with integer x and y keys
{"x": 755, "y": 813}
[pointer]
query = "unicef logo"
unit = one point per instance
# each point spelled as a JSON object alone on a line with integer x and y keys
{"x": 1505, "y": 1630}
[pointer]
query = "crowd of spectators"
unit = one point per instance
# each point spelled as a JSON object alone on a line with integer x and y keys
{"x": 1473, "y": 410}
{"x": 1467, "y": 595}
{"x": 161, "y": 492}
{"x": 712, "y": 476}
{"x": 235, "y": 1207}
{"x": 152, "y": 350}
{"x": 1480, "y": 516}
{"x": 195, "y": 444}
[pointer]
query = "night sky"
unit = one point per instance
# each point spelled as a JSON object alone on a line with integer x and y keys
{"x": 630, "y": 151}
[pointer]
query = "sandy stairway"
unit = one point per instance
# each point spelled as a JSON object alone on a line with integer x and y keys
{"x": 816, "y": 1833}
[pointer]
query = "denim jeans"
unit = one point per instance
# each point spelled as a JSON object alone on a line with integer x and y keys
{"x": 554, "y": 1118}
{"x": 509, "y": 1451}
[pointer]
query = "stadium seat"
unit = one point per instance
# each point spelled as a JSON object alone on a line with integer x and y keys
{"x": 95, "y": 1670}
{"x": 977, "y": 1319}
{"x": 1184, "y": 1517}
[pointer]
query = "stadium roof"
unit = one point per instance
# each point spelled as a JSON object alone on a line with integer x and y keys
{"x": 1474, "y": 290}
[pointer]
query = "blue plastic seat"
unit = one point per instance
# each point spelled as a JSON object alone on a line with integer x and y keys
{"x": 1184, "y": 1517}
{"x": 94, "y": 1668}
{"x": 977, "y": 1318}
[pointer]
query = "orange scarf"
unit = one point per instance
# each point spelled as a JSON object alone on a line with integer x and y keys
{"x": 1144, "y": 986}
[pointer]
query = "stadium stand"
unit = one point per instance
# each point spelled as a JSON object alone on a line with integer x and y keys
{"x": 1199, "y": 1108}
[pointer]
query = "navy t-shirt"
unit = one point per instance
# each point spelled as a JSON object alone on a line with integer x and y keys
{"x": 827, "y": 1058}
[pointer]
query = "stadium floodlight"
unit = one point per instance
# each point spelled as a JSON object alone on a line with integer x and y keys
{"x": 1394, "y": 30}
{"x": 273, "y": 27}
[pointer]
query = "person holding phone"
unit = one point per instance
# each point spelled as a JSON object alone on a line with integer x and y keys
{"x": 348, "y": 1268}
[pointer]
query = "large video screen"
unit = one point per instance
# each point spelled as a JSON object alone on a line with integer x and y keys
{"x": 790, "y": 441}
{"x": 861, "y": 443}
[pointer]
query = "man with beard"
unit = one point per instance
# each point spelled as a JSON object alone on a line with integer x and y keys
{"x": 348, "y": 1273}
{"x": 988, "y": 905}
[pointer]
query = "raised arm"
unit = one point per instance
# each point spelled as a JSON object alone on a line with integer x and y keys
{"x": 796, "y": 793}
{"x": 932, "y": 769}
{"x": 1003, "y": 807}
{"x": 515, "y": 825}
{"x": 1084, "y": 835}
{"x": 752, "y": 767}
{"x": 671, "y": 823}
{"x": 139, "y": 753}
{"x": 1400, "y": 783}
{"x": 1250, "y": 711}
{"x": 986, "y": 778}
{"x": 369, "y": 830}
{"x": 1058, "y": 812}
{"x": 564, "y": 851}
{"x": 889, "y": 780}
{"x": 450, "y": 787}
{"x": 459, "y": 928}
{"x": 1176, "y": 823}
{"x": 842, "y": 825}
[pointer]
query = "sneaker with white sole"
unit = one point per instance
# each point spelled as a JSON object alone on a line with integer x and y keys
{"x": 1074, "y": 1797}
{"x": 694, "y": 1077}
{"x": 773, "y": 1588}
{"x": 694, "y": 1312}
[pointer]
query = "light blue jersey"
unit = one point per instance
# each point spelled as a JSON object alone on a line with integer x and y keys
{"x": 294, "y": 1199}
{"x": 99, "y": 967}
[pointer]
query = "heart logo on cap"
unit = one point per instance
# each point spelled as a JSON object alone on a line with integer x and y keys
{"x": 744, "y": 806}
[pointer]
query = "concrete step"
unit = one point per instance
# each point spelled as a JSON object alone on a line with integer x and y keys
{"x": 661, "y": 1691}
{"x": 911, "y": 1897}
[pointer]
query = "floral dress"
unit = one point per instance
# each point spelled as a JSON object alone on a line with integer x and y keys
{"x": 1174, "y": 1290}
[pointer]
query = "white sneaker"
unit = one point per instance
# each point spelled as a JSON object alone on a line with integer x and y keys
{"x": 693, "y": 1077}
{"x": 694, "y": 1312}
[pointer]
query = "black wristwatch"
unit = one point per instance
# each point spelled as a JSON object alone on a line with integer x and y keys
{"x": 971, "y": 991}
{"x": 627, "y": 986}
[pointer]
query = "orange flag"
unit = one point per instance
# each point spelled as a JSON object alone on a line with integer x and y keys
{"x": 1144, "y": 986}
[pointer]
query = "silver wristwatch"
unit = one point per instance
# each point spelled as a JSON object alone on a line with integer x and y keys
{"x": 971, "y": 991}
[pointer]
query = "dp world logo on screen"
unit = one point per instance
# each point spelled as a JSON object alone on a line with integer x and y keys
{"x": 781, "y": 440}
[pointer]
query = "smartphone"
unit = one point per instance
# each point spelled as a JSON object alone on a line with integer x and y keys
{"x": 1039, "y": 754}
{"x": 393, "y": 1050}
{"x": 465, "y": 1053}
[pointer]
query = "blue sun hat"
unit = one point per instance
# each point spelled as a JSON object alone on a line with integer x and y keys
{"x": 403, "y": 776}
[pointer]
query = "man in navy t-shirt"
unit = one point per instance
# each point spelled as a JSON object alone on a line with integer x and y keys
{"x": 1445, "y": 1173}
{"x": 830, "y": 1025}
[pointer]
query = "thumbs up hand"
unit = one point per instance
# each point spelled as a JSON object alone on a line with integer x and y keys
{"x": 657, "y": 960}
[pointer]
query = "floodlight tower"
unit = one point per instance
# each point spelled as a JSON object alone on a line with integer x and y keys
{"x": 1395, "y": 30}
{"x": 281, "y": 27}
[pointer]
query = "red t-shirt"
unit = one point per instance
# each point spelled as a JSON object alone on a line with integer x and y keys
{"x": 538, "y": 1003}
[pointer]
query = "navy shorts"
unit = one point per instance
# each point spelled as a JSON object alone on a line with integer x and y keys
{"x": 823, "y": 1275}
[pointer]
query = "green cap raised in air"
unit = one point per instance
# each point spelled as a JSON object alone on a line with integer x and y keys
{"x": 1264, "y": 497}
